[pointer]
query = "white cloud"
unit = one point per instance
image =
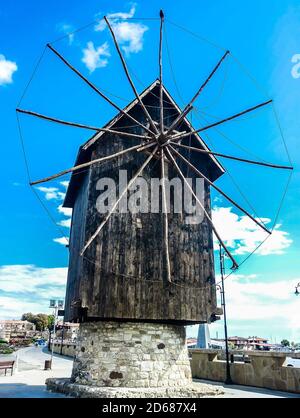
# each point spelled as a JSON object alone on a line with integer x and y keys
{"x": 7, "y": 69}
{"x": 64, "y": 211}
{"x": 65, "y": 183}
{"x": 28, "y": 288}
{"x": 116, "y": 16}
{"x": 95, "y": 57}
{"x": 242, "y": 235}
{"x": 255, "y": 306}
{"x": 62, "y": 241}
{"x": 52, "y": 193}
{"x": 251, "y": 300}
{"x": 129, "y": 34}
{"x": 67, "y": 29}
{"x": 66, "y": 223}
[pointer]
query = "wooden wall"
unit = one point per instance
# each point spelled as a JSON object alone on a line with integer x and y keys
{"x": 122, "y": 275}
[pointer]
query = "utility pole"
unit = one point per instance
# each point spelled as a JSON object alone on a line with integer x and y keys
{"x": 53, "y": 304}
{"x": 62, "y": 337}
{"x": 228, "y": 379}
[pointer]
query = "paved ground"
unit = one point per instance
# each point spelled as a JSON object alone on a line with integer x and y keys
{"x": 237, "y": 391}
{"x": 29, "y": 380}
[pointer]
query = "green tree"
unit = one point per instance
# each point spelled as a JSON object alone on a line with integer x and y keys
{"x": 50, "y": 322}
{"x": 41, "y": 321}
{"x": 30, "y": 317}
{"x": 285, "y": 343}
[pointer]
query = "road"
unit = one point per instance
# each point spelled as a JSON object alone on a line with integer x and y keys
{"x": 29, "y": 380}
{"x": 238, "y": 391}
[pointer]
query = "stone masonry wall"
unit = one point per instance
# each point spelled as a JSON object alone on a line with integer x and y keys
{"x": 266, "y": 369}
{"x": 131, "y": 355}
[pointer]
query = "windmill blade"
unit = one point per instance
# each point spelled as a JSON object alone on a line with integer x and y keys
{"x": 234, "y": 263}
{"x": 138, "y": 173}
{"x": 85, "y": 165}
{"x": 231, "y": 157}
{"x": 261, "y": 225}
{"x": 97, "y": 90}
{"x": 165, "y": 215}
{"x": 179, "y": 119}
{"x": 160, "y": 62}
{"x": 244, "y": 112}
{"x": 79, "y": 125}
{"x": 150, "y": 120}
{"x": 189, "y": 107}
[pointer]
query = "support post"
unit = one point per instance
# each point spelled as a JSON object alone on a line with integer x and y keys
{"x": 165, "y": 216}
{"x": 228, "y": 379}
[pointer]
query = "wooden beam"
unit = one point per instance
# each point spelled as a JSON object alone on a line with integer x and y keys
{"x": 85, "y": 165}
{"x": 244, "y": 112}
{"x": 243, "y": 160}
{"x": 165, "y": 217}
{"x": 97, "y": 90}
{"x": 78, "y": 125}
{"x": 146, "y": 146}
{"x": 155, "y": 130}
{"x": 234, "y": 263}
{"x": 161, "y": 102}
{"x": 189, "y": 107}
{"x": 179, "y": 119}
{"x": 138, "y": 173}
{"x": 218, "y": 189}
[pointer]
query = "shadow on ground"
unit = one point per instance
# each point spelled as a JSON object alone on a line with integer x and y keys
{"x": 22, "y": 390}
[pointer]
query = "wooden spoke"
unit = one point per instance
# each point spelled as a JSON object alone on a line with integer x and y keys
{"x": 97, "y": 90}
{"x": 79, "y": 125}
{"x": 161, "y": 103}
{"x": 244, "y": 160}
{"x": 188, "y": 107}
{"x": 165, "y": 217}
{"x": 85, "y": 165}
{"x": 218, "y": 189}
{"x": 139, "y": 172}
{"x": 179, "y": 119}
{"x": 150, "y": 120}
{"x": 244, "y": 112}
{"x": 234, "y": 263}
{"x": 146, "y": 146}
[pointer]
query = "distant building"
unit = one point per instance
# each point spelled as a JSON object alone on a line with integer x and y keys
{"x": 12, "y": 328}
{"x": 250, "y": 343}
{"x": 236, "y": 343}
{"x": 68, "y": 331}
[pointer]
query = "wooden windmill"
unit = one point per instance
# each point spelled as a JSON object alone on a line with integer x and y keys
{"x": 148, "y": 267}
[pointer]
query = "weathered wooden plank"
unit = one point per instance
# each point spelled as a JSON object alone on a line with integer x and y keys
{"x": 128, "y": 280}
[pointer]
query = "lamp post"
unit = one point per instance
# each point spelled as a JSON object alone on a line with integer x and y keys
{"x": 55, "y": 305}
{"x": 228, "y": 379}
{"x": 297, "y": 291}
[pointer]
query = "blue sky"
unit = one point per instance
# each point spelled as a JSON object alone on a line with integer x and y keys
{"x": 263, "y": 36}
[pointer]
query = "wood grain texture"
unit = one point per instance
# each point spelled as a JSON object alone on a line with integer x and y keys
{"x": 122, "y": 276}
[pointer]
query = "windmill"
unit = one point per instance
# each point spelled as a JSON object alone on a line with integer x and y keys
{"x": 131, "y": 268}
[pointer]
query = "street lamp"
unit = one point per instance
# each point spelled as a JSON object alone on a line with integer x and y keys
{"x": 228, "y": 379}
{"x": 297, "y": 291}
{"x": 55, "y": 305}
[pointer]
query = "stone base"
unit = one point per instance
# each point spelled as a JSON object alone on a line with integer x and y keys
{"x": 193, "y": 390}
{"x": 131, "y": 355}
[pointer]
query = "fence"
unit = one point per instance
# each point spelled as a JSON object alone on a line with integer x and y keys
{"x": 262, "y": 369}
